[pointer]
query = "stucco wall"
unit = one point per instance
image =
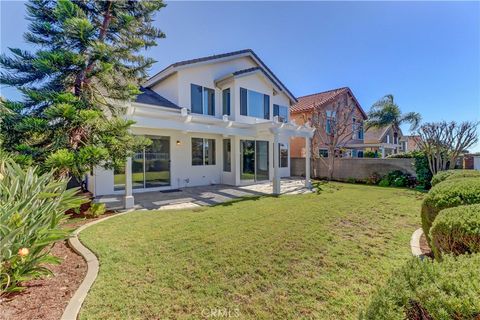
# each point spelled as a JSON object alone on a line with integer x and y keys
{"x": 358, "y": 168}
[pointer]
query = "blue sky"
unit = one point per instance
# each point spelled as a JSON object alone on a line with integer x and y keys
{"x": 425, "y": 53}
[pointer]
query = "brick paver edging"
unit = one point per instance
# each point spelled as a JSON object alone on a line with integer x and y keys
{"x": 75, "y": 303}
{"x": 415, "y": 242}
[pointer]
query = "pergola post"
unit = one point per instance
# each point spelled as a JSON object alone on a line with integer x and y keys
{"x": 308, "y": 183}
{"x": 276, "y": 171}
{"x": 128, "y": 200}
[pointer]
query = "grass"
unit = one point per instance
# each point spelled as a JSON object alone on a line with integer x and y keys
{"x": 289, "y": 257}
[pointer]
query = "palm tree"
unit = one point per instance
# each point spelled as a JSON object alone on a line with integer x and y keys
{"x": 386, "y": 112}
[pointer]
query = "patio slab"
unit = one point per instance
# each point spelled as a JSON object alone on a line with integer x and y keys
{"x": 192, "y": 197}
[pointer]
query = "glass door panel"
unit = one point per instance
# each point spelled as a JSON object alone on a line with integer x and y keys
{"x": 157, "y": 163}
{"x": 261, "y": 160}
{"x": 137, "y": 171}
{"x": 119, "y": 179}
{"x": 247, "y": 160}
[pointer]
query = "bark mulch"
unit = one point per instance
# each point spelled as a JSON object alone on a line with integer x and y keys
{"x": 48, "y": 297}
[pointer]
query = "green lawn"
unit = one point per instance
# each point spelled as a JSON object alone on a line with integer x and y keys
{"x": 303, "y": 256}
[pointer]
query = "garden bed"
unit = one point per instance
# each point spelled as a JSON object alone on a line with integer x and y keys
{"x": 47, "y": 298}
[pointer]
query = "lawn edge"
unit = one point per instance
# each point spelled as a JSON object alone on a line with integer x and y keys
{"x": 415, "y": 242}
{"x": 75, "y": 304}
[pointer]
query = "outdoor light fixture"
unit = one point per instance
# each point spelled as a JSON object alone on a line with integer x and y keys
{"x": 178, "y": 142}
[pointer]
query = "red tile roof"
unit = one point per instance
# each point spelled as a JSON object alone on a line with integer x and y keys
{"x": 307, "y": 103}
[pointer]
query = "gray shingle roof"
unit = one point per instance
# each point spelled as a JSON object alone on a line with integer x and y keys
{"x": 149, "y": 96}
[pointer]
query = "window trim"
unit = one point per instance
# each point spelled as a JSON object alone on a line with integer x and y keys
{"x": 205, "y": 91}
{"x": 227, "y": 161}
{"x": 276, "y": 112}
{"x": 204, "y": 152}
{"x": 322, "y": 149}
{"x": 244, "y": 104}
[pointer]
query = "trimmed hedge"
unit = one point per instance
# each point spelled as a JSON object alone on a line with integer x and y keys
{"x": 454, "y": 174}
{"x": 456, "y": 230}
{"x": 448, "y": 194}
{"x": 426, "y": 289}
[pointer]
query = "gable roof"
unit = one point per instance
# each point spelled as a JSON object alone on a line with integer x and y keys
{"x": 375, "y": 135}
{"x": 159, "y": 76}
{"x": 307, "y": 103}
{"x": 149, "y": 96}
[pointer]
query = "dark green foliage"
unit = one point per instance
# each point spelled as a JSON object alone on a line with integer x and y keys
{"x": 422, "y": 171}
{"x": 397, "y": 178}
{"x": 32, "y": 205}
{"x": 370, "y": 154}
{"x": 89, "y": 62}
{"x": 448, "y": 194}
{"x": 454, "y": 174}
{"x": 456, "y": 231}
{"x": 426, "y": 289}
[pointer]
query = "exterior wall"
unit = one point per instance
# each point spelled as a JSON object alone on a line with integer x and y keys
{"x": 298, "y": 144}
{"x": 358, "y": 168}
{"x": 168, "y": 88}
{"x": 476, "y": 162}
{"x": 182, "y": 172}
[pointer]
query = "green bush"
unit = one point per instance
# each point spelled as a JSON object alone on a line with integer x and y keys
{"x": 384, "y": 182}
{"x": 31, "y": 209}
{"x": 422, "y": 170}
{"x": 448, "y": 194}
{"x": 370, "y": 154}
{"x": 426, "y": 289}
{"x": 96, "y": 210}
{"x": 454, "y": 174}
{"x": 456, "y": 231}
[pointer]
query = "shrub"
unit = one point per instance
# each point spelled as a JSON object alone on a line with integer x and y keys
{"x": 373, "y": 178}
{"x": 426, "y": 289}
{"x": 454, "y": 174}
{"x": 456, "y": 230}
{"x": 370, "y": 154}
{"x": 96, "y": 210}
{"x": 384, "y": 182}
{"x": 31, "y": 209}
{"x": 448, "y": 194}
{"x": 422, "y": 170}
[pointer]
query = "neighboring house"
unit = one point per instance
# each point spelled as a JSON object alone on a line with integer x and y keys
{"x": 384, "y": 141}
{"x": 221, "y": 119}
{"x": 410, "y": 143}
{"x": 302, "y": 112}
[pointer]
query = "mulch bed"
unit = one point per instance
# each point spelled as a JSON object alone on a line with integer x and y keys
{"x": 48, "y": 297}
{"x": 424, "y": 247}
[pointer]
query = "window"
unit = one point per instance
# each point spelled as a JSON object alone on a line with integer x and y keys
{"x": 330, "y": 125}
{"x": 227, "y": 155}
{"x": 203, "y": 100}
{"x": 281, "y": 112}
{"x": 283, "y": 155}
{"x": 226, "y": 102}
{"x": 203, "y": 152}
{"x": 323, "y": 153}
{"x": 360, "y": 131}
{"x": 254, "y": 104}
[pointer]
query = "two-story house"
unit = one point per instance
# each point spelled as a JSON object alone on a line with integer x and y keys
{"x": 221, "y": 119}
{"x": 333, "y": 104}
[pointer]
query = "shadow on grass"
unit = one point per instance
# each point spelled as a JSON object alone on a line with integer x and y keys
{"x": 242, "y": 199}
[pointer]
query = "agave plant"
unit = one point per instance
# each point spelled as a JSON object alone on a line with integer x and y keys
{"x": 32, "y": 205}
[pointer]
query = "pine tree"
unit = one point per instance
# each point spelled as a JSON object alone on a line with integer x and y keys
{"x": 88, "y": 63}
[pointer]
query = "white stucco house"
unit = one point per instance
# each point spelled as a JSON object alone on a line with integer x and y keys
{"x": 222, "y": 119}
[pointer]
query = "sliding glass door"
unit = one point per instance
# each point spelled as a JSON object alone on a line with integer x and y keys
{"x": 150, "y": 167}
{"x": 254, "y": 163}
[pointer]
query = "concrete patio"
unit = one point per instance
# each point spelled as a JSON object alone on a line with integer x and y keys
{"x": 193, "y": 197}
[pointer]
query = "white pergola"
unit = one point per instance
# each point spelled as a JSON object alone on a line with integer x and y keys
{"x": 154, "y": 117}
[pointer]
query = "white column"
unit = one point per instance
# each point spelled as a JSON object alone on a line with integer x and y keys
{"x": 383, "y": 151}
{"x": 276, "y": 171}
{"x": 308, "y": 183}
{"x": 128, "y": 201}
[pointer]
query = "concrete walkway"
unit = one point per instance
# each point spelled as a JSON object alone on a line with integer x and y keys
{"x": 192, "y": 197}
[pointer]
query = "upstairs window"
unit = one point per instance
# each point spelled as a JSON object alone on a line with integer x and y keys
{"x": 330, "y": 124}
{"x": 254, "y": 104}
{"x": 360, "y": 131}
{"x": 202, "y": 100}
{"x": 226, "y": 102}
{"x": 203, "y": 152}
{"x": 323, "y": 153}
{"x": 281, "y": 112}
